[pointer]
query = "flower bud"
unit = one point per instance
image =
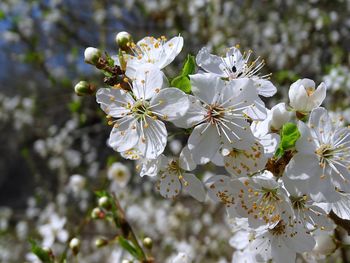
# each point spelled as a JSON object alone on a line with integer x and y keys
{"x": 74, "y": 245}
{"x": 147, "y": 242}
{"x": 97, "y": 213}
{"x": 304, "y": 97}
{"x": 104, "y": 202}
{"x": 122, "y": 39}
{"x": 84, "y": 88}
{"x": 126, "y": 261}
{"x": 91, "y": 55}
{"x": 279, "y": 116}
{"x": 101, "y": 242}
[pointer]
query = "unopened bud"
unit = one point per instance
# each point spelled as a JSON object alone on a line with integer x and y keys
{"x": 126, "y": 261}
{"x": 74, "y": 245}
{"x": 84, "y": 88}
{"x": 101, "y": 242}
{"x": 147, "y": 242}
{"x": 97, "y": 213}
{"x": 104, "y": 202}
{"x": 91, "y": 55}
{"x": 122, "y": 39}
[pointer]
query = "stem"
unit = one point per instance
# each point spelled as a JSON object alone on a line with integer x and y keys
{"x": 129, "y": 234}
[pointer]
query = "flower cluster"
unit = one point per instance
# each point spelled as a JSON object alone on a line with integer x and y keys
{"x": 287, "y": 166}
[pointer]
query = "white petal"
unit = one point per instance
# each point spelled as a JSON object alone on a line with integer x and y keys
{"x": 236, "y": 134}
{"x": 170, "y": 102}
{"x": 342, "y": 207}
{"x": 270, "y": 143}
{"x": 279, "y": 116}
{"x": 124, "y": 134}
{"x": 265, "y": 87}
{"x": 149, "y": 167}
{"x": 321, "y": 123}
{"x": 171, "y": 49}
{"x": 281, "y": 253}
{"x": 300, "y": 241}
{"x": 322, "y": 190}
{"x": 218, "y": 159}
{"x": 223, "y": 189}
{"x": 169, "y": 185}
{"x": 240, "y": 239}
{"x": 257, "y": 111}
{"x": 203, "y": 143}
{"x": 133, "y": 64}
{"x": 194, "y": 115}
{"x": 246, "y": 162}
{"x": 194, "y": 187}
{"x": 186, "y": 160}
{"x": 238, "y": 93}
{"x": 297, "y": 96}
{"x": 305, "y": 144}
{"x": 114, "y": 102}
{"x": 303, "y": 166}
{"x": 153, "y": 138}
{"x": 209, "y": 62}
{"x": 318, "y": 96}
{"x": 206, "y": 87}
{"x": 148, "y": 81}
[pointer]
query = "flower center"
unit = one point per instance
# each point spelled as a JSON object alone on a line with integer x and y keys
{"x": 325, "y": 151}
{"x": 298, "y": 203}
{"x": 214, "y": 113}
{"x": 140, "y": 108}
{"x": 279, "y": 229}
{"x": 270, "y": 195}
{"x": 310, "y": 91}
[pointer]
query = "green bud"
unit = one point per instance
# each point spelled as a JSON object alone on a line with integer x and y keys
{"x": 104, "y": 202}
{"x": 91, "y": 55}
{"x": 101, "y": 242}
{"x": 84, "y": 88}
{"x": 147, "y": 242}
{"x": 74, "y": 245}
{"x": 123, "y": 40}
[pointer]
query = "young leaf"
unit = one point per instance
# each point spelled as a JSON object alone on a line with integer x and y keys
{"x": 289, "y": 135}
{"x": 189, "y": 67}
{"x": 128, "y": 247}
{"x": 183, "y": 83}
{"x": 41, "y": 253}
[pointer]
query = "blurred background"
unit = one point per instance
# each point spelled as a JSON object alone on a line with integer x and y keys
{"x": 53, "y": 151}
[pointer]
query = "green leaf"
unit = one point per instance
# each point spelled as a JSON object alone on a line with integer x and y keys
{"x": 130, "y": 248}
{"x": 189, "y": 67}
{"x": 183, "y": 83}
{"x": 110, "y": 60}
{"x": 42, "y": 254}
{"x": 289, "y": 135}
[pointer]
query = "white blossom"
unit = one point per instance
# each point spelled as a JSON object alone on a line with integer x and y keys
{"x": 139, "y": 115}
{"x": 321, "y": 164}
{"x": 235, "y": 65}
{"x": 304, "y": 97}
